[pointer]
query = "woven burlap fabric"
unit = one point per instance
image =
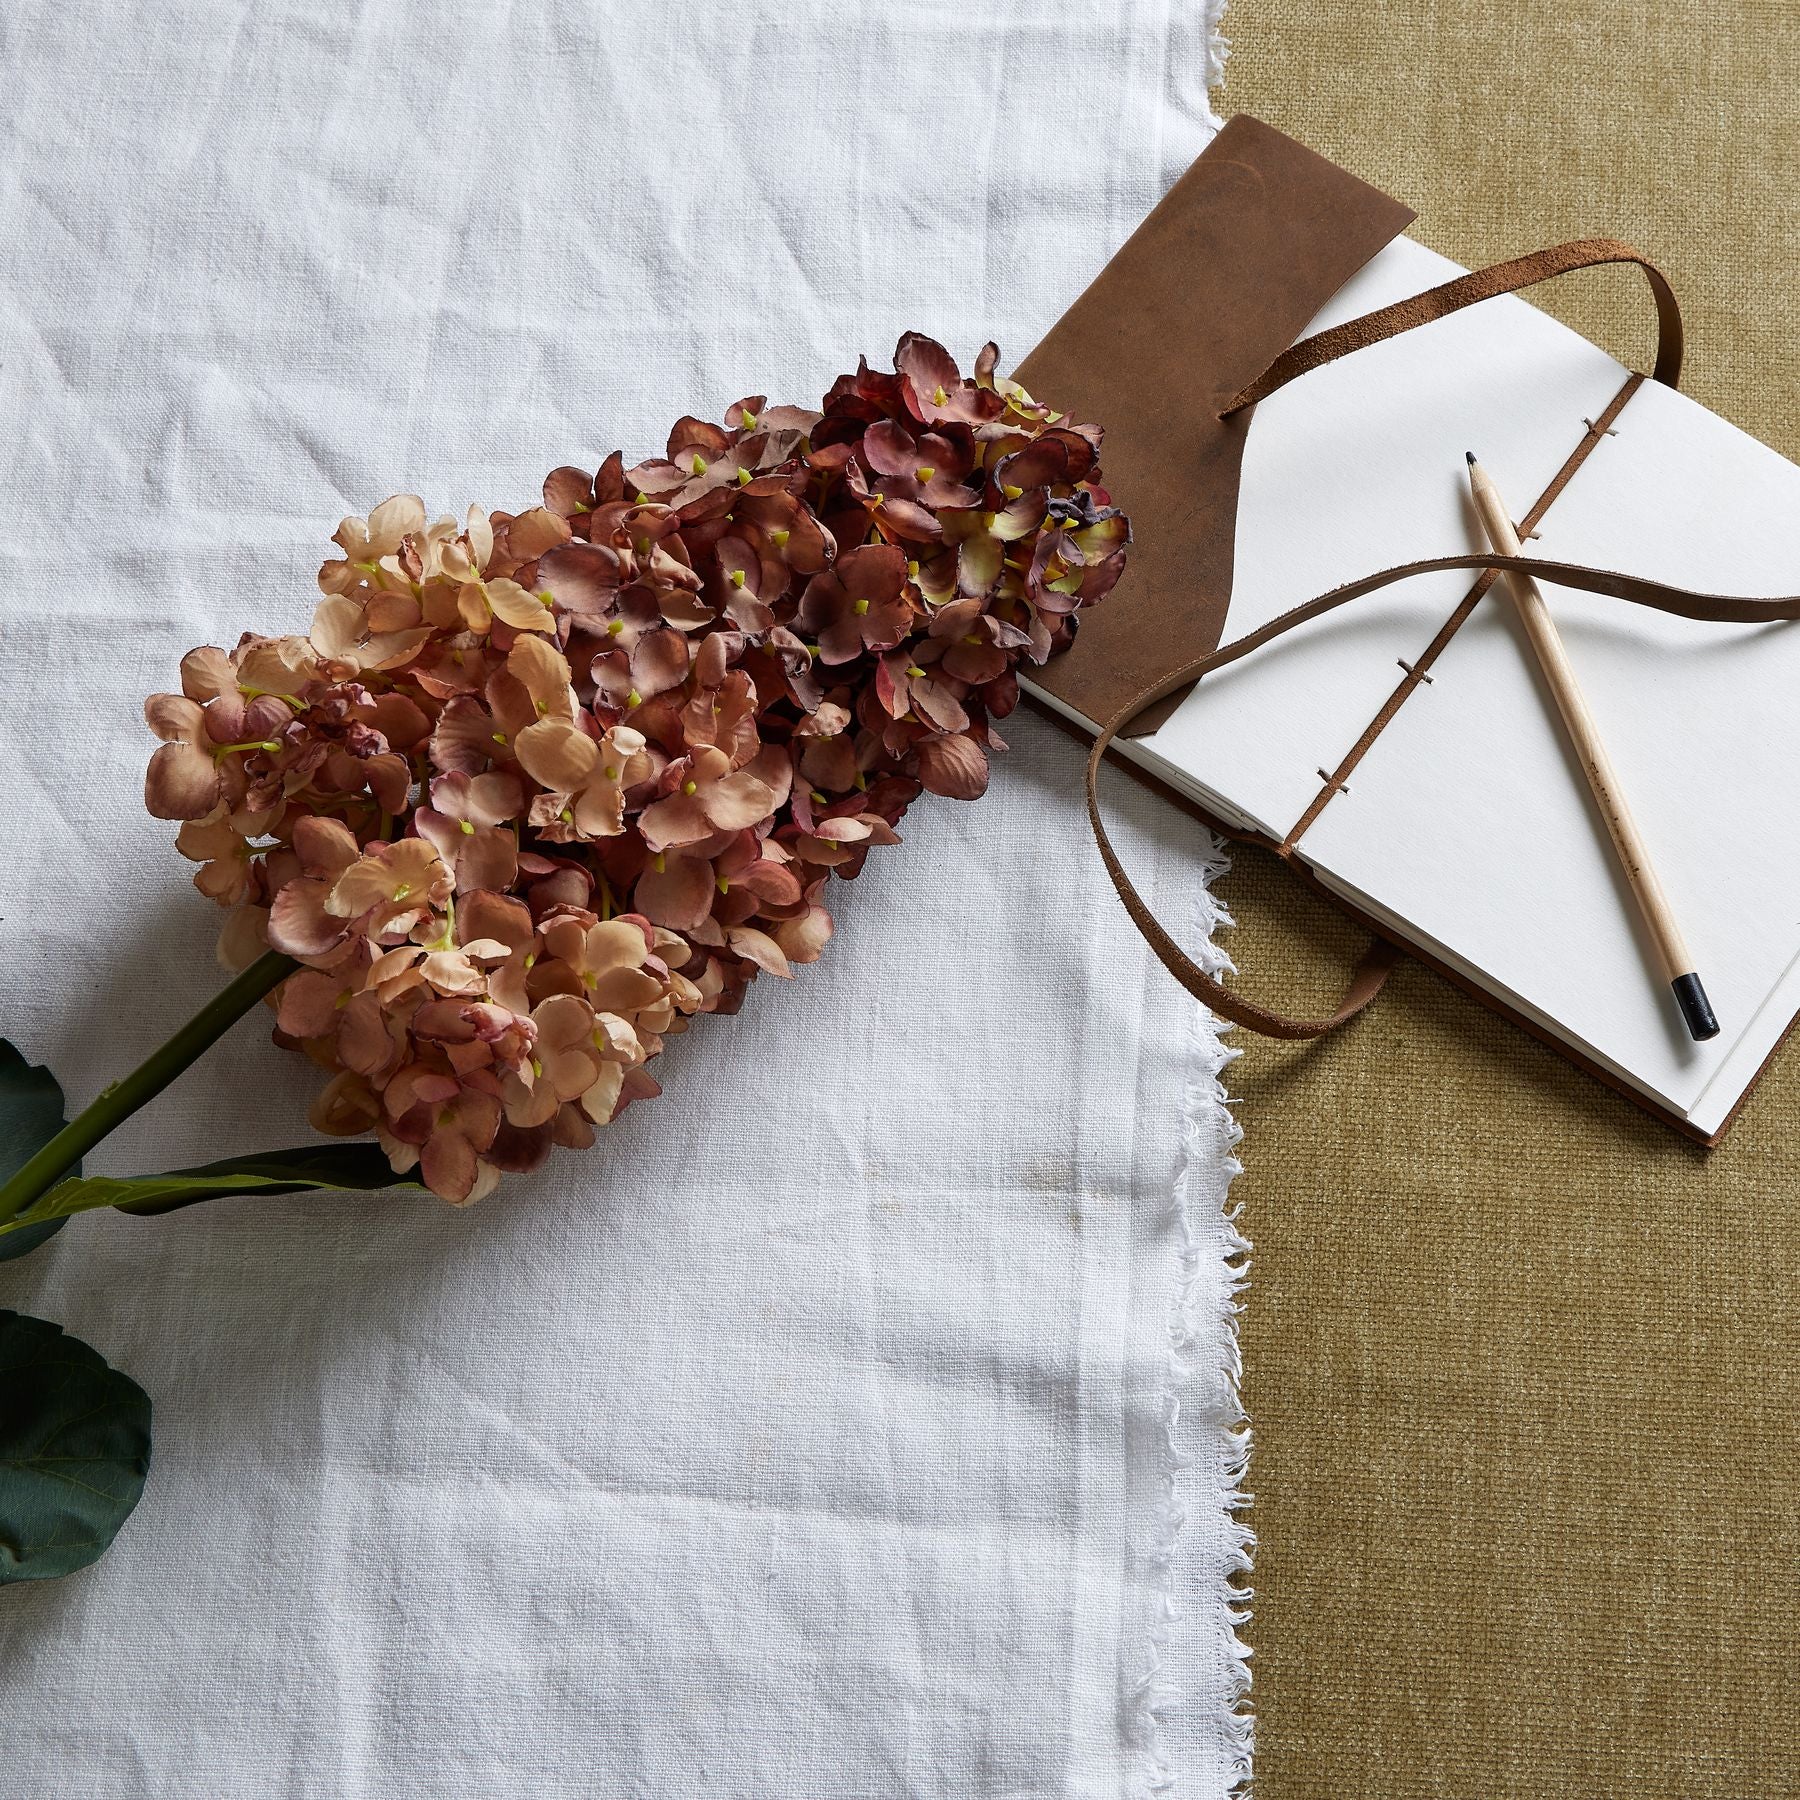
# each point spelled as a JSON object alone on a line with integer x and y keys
{"x": 1522, "y": 1362}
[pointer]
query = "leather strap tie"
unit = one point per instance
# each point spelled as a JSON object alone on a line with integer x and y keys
{"x": 1373, "y": 970}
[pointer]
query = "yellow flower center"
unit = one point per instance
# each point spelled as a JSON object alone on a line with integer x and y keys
{"x": 634, "y": 698}
{"x": 690, "y": 787}
{"x": 915, "y": 672}
{"x": 924, "y": 472}
{"x": 499, "y": 737}
{"x": 861, "y": 607}
{"x": 402, "y": 890}
{"x": 615, "y": 628}
{"x": 699, "y": 463}
{"x": 938, "y": 398}
{"x": 779, "y": 539}
{"x": 466, "y": 827}
{"x": 737, "y": 578}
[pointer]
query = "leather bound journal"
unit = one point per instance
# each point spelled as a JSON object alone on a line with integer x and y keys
{"x": 1288, "y": 385}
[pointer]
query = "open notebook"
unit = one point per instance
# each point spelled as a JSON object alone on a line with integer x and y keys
{"x": 1466, "y": 828}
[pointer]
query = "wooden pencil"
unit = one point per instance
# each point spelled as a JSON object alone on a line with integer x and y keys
{"x": 1553, "y": 659}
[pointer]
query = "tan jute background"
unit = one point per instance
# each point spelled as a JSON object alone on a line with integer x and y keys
{"x": 1522, "y": 1363}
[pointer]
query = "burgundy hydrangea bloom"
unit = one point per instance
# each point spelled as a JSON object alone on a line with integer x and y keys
{"x": 538, "y": 788}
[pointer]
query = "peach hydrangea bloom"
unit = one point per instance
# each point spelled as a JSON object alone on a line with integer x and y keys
{"x": 539, "y": 788}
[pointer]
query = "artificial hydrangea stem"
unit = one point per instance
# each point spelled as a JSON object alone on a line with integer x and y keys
{"x": 119, "y": 1101}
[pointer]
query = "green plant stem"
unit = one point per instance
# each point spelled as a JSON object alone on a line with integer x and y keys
{"x": 118, "y": 1102}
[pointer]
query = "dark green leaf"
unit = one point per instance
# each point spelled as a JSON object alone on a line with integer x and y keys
{"x": 31, "y": 1114}
{"x": 74, "y": 1450}
{"x": 348, "y": 1166}
{"x": 270, "y": 1172}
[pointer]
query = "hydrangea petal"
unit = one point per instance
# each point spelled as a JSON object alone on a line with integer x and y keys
{"x": 182, "y": 782}
{"x": 559, "y": 755}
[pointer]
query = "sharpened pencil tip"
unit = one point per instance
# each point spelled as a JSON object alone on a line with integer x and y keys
{"x": 1470, "y": 454}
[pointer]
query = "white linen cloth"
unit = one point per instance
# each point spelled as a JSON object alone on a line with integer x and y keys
{"x": 825, "y": 1431}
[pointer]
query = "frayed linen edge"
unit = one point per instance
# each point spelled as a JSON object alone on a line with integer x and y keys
{"x": 1209, "y": 1134}
{"x": 1196, "y": 53}
{"x": 1218, "y": 50}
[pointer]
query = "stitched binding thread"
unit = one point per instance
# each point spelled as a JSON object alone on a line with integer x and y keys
{"x": 1418, "y": 672}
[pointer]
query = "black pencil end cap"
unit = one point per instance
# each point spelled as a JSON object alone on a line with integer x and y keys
{"x": 1696, "y": 1009}
{"x": 1470, "y": 454}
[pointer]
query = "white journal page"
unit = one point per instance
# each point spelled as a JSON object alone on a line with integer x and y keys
{"x": 1470, "y": 819}
{"x": 1350, "y": 469}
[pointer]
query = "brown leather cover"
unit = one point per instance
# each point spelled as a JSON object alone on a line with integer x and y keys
{"x": 1214, "y": 285}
